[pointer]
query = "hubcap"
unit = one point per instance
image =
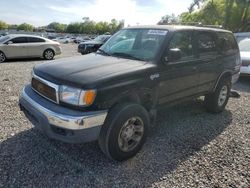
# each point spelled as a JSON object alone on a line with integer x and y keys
{"x": 131, "y": 134}
{"x": 222, "y": 96}
{"x": 49, "y": 54}
{"x": 2, "y": 57}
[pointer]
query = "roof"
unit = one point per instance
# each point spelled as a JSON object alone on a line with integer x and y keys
{"x": 178, "y": 27}
{"x": 23, "y": 35}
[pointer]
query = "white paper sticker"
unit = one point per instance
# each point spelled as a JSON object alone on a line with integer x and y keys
{"x": 157, "y": 32}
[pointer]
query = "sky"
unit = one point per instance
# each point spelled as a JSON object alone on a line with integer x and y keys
{"x": 43, "y": 12}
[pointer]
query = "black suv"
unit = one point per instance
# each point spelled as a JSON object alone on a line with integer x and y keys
{"x": 92, "y": 45}
{"x": 113, "y": 95}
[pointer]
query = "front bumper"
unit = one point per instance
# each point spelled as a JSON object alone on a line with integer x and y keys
{"x": 59, "y": 122}
{"x": 245, "y": 70}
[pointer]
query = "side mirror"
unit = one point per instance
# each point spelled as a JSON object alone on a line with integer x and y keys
{"x": 173, "y": 55}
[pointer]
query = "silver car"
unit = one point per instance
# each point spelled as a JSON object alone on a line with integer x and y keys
{"x": 244, "y": 46}
{"x": 27, "y": 46}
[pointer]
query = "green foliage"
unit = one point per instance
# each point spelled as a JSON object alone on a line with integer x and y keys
{"x": 3, "y": 25}
{"x": 58, "y": 27}
{"x": 232, "y": 14}
{"x": 91, "y": 27}
{"x": 25, "y": 27}
{"x": 169, "y": 19}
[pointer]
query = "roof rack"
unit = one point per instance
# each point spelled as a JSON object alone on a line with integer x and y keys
{"x": 199, "y": 24}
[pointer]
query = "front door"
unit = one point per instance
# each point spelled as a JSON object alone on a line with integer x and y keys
{"x": 16, "y": 48}
{"x": 179, "y": 79}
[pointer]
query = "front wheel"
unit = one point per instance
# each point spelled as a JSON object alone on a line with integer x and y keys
{"x": 217, "y": 101}
{"x": 124, "y": 131}
{"x": 2, "y": 57}
{"x": 48, "y": 54}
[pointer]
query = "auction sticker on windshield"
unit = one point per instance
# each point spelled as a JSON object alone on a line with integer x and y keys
{"x": 157, "y": 32}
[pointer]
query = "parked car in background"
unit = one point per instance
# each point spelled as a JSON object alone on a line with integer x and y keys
{"x": 27, "y": 46}
{"x": 241, "y": 36}
{"x": 92, "y": 45}
{"x": 81, "y": 39}
{"x": 244, "y": 46}
{"x": 64, "y": 40}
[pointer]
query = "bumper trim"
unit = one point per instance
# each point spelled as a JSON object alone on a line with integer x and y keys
{"x": 85, "y": 121}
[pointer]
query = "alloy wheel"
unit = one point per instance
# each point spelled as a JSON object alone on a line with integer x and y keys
{"x": 131, "y": 134}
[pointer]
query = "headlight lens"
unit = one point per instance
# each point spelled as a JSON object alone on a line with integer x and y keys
{"x": 76, "y": 96}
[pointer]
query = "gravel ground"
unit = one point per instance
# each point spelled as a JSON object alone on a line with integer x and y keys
{"x": 187, "y": 147}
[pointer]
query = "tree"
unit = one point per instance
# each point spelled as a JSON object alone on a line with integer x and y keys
{"x": 234, "y": 15}
{"x": 169, "y": 19}
{"x": 3, "y": 25}
{"x": 58, "y": 27}
{"x": 25, "y": 27}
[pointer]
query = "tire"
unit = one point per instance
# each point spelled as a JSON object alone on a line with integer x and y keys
{"x": 217, "y": 101}
{"x": 48, "y": 54}
{"x": 2, "y": 57}
{"x": 117, "y": 131}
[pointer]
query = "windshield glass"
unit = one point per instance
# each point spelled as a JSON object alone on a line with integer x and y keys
{"x": 141, "y": 44}
{"x": 4, "y": 38}
{"x": 244, "y": 46}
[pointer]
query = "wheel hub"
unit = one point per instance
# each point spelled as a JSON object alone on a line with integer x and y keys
{"x": 222, "y": 96}
{"x": 131, "y": 134}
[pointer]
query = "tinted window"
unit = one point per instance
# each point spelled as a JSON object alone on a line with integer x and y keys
{"x": 34, "y": 39}
{"x": 227, "y": 42}
{"x": 19, "y": 40}
{"x": 206, "y": 43}
{"x": 182, "y": 41}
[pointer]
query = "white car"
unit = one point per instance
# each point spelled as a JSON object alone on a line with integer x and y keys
{"x": 244, "y": 46}
{"x": 64, "y": 40}
{"x": 27, "y": 46}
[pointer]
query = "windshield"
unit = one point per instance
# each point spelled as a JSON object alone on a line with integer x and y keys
{"x": 4, "y": 38}
{"x": 140, "y": 44}
{"x": 244, "y": 45}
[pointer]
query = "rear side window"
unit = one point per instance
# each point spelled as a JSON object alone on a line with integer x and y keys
{"x": 206, "y": 43}
{"x": 34, "y": 40}
{"x": 19, "y": 40}
{"x": 227, "y": 43}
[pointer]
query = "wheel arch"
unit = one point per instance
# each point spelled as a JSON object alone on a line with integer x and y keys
{"x": 144, "y": 96}
{"x": 225, "y": 74}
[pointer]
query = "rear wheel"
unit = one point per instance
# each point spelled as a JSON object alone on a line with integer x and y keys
{"x": 2, "y": 57}
{"x": 48, "y": 54}
{"x": 216, "y": 102}
{"x": 124, "y": 131}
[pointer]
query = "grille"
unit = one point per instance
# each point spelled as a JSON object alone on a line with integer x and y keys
{"x": 245, "y": 62}
{"x": 43, "y": 89}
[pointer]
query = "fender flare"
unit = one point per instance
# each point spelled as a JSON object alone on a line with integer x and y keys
{"x": 223, "y": 74}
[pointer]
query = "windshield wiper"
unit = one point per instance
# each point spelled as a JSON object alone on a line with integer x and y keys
{"x": 120, "y": 54}
{"x": 103, "y": 52}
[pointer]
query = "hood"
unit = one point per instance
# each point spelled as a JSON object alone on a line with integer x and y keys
{"x": 245, "y": 56}
{"x": 81, "y": 71}
{"x": 92, "y": 42}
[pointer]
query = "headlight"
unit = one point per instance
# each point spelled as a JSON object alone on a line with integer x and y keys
{"x": 76, "y": 96}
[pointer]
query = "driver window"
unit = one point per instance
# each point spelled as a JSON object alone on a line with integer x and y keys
{"x": 183, "y": 41}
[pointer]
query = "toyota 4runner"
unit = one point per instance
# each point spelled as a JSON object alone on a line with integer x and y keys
{"x": 113, "y": 95}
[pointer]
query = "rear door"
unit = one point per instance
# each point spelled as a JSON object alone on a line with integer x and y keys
{"x": 35, "y": 47}
{"x": 210, "y": 64}
{"x": 179, "y": 79}
{"x": 17, "y": 48}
